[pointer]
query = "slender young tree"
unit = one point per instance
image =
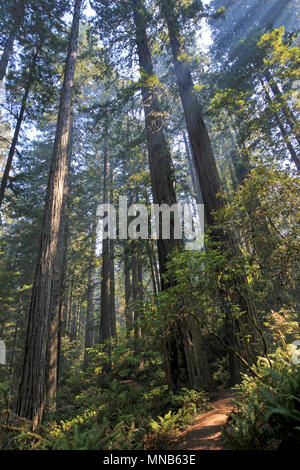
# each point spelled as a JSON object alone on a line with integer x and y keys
{"x": 195, "y": 180}
{"x": 18, "y": 8}
{"x": 112, "y": 297}
{"x": 127, "y": 288}
{"x": 105, "y": 320}
{"x": 20, "y": 118}
{"x": 294, "y": 156}
{"x": 286, "y": 110}
{"x": 90, "y": 308}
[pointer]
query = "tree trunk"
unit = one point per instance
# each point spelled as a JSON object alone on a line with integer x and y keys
{"x": 47, "y": 280}
{"x": 163, "y": 191}
{"x": 16, "y": 23}
{"x": 105, "y": 324}
{"x": 70, "y": 304}
{"x": 17, "y": 128}
{"x": 200, "y": 143}
{"x": 128, "y": 289}
{"x": 149, "y": 251}
{"x": 155, "y": 265}
{"x": 137, "y": 285}
{"x": 205, "y": 164}
{"x": 112, "y": 300}
{"x": 287, "y": 112}
{"x": 162, "y": 178}
{"x": 239, "y": 154}
{"x": 290, "y": 147}
{"x": 137, "y": 281}
{"x": 195, "y": 180}
{"x": 6, "y": 54}
{"x": 57, "y": 319}
{"x": 90, "y": 309}
{"x": 74, "y": 315}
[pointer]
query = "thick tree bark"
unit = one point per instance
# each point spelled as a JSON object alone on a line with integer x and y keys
{"x": 207, "y": 174}
{"x": 162, "y": 178}
{"x": 47, "y": 280}
{"x": 178, "y": 356}
{"x": 56, "y": 321}
{"x": 17, "y": 128}
{"x": 199, "y": 139}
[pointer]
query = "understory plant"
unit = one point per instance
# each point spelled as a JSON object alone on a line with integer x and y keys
{"x": 267, "y": 406}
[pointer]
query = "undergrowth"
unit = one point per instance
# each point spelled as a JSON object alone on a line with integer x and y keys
{"x": 267, "y": 415}
{"x": 131, "y": 409}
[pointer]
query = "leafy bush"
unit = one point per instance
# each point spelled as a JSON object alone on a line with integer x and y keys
{"x": 164, "y": 430}
{"x": 97, "y": 437}
{"x": 268, "y": 406}
{"x": 119, "y": 411}
{"x": 127, "y": 418}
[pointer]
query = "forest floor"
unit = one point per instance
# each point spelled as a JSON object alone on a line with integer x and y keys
{"x": 205, "y": 432}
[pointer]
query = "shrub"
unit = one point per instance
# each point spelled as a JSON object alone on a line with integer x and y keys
{"x": 268, "y": 406}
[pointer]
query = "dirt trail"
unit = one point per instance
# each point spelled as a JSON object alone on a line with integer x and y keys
{"x": 205, "y": 433}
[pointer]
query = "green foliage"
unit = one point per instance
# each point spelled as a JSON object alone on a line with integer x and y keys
{"x": 4, "y": 386}
{"x": 124, "y": 419}
{"x": 272, "y": 228}
{"x": 164, "y": 430}
{"x": 278, "y": 53}
{"x": 220, "y": 368}
{"x": 267, "y": 412}
{"x": 96, "y": 437}
{"x": 121, "y": 400}
{"x": 16, "y": 433}
{"x": 196, "y": 272}
{"x": 118, "y": 411}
